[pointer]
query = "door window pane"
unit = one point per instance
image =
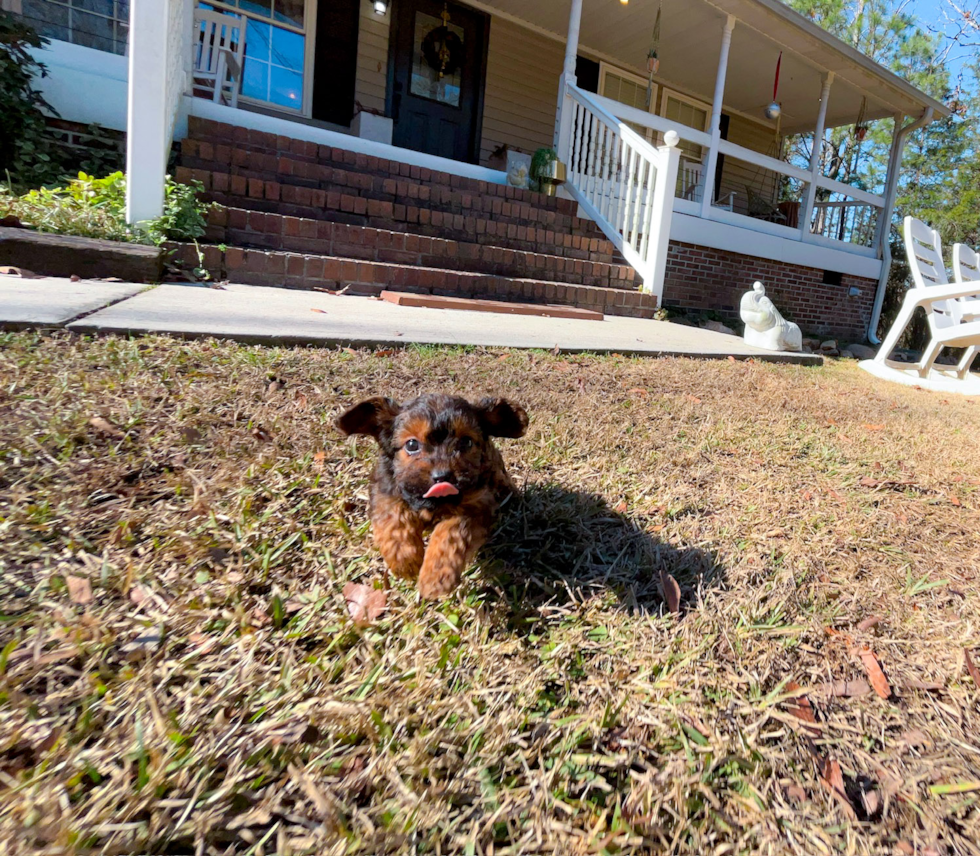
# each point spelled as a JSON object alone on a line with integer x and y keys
{"x": 427, "y": 81}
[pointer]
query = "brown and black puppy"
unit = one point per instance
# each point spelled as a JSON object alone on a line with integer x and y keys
{"x": 439, "y": 470}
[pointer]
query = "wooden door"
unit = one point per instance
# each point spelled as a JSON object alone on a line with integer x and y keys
{"x": 335, "y": 61}
{"x": 438, "y": 52}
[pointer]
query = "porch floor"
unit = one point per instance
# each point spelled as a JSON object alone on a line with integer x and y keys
{"x": 278, "y": 316}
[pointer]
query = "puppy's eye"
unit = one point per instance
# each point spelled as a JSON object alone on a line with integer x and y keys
{"x": 412, "y": 446}
{"x": 465, "y": 444}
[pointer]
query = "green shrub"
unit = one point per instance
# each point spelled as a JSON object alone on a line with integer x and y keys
{"x": 96, "y": 208}
{"x": 26, "y": 151}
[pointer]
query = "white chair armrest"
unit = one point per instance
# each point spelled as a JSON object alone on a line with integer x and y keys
{"x": 936, "y": 293}
{"x": 231, "y": 63}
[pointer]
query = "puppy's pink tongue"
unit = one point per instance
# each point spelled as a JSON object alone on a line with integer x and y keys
{"x": 440, "y": 489}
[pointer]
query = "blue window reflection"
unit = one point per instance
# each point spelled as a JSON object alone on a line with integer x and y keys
{"x": 273, "y": 65}
{"x": 272, "y": 69}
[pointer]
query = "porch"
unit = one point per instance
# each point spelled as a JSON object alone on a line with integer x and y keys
{"x": 354, "y": 77}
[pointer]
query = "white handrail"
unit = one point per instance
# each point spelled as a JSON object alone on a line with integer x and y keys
{"x": 621, "y": 181}
{"x": 649, "y": 120}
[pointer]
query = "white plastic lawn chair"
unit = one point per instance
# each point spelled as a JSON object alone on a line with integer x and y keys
{"x": 950, "y": 325}
{"x": 219, "y": 45}
{"x": 966, "y": 268}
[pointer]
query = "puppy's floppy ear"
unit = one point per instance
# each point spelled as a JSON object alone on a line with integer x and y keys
{"x": 373, "y": 416}
{"x": 500, "y": 418}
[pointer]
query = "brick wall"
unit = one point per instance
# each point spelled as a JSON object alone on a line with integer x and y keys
{"x": 703, "y": 278}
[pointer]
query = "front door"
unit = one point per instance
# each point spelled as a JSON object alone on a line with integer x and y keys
{"x": 439, "y": 64}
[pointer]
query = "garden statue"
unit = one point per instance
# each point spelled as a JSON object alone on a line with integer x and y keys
{"x": 517, "y": 177}
{"x": 764, "y": 326}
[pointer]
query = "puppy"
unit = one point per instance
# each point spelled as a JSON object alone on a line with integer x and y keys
{"x": 439, "y": 470}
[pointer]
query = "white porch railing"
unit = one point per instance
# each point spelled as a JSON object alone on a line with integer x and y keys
{"x": 621, "y": 181}
{"x": 852, "y": 229}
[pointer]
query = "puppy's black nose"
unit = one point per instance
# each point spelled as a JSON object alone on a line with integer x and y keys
{"x": 443, "y": 476}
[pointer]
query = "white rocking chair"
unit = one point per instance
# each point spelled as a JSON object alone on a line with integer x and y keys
{"x": 218, "y": 50}
{"x": 951, "y": 325}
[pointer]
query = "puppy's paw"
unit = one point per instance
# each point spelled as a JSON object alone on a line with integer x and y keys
{"x": 438, "y": 581}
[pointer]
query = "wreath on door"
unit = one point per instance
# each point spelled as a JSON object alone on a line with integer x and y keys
{"x": 443, "y": 50}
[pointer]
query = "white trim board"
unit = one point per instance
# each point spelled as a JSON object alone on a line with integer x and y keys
{"x": 85, "y": 85}
{"x": 284, "y": 126}
{"x": 745, "y": 242}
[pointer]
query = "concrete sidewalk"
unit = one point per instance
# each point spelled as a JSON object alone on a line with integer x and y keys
{"x": 51, "y": 301}
{"x": 277, "y": 316}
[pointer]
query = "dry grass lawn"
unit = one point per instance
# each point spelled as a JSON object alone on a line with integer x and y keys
{"x": 180, "y": 672}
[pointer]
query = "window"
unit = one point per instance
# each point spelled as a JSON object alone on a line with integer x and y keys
{"x": 686, "y": 111}
{"x": 627, "y": 88}
{"x": 275, "y": 49}
{"x": 99, "y": 24}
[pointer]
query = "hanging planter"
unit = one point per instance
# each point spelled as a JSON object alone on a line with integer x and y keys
{"x": 861, "y": 126}
{"x": 774, "y": 110}
{"x": 653, "y": 55}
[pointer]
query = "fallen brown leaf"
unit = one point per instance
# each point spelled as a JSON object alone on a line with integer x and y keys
{"x": 556, "y": 350}
{"x": 386, "y": 353}
{"x": 259, "y": 433}
{"x": 842, "y": 689}
{"x": 916, "y": 684}
{"x": 833, "y": 780}
{"x": 869, "y": 622}
{"x": 319, "y": 458}
{"x": 796, "y": 793}
{"x": 971, "y": 667}
{"x": 319, "y": 311}
{"x": 365, "y": 603}
{"x": 871, "y": 802}
{"x": 23, "y": 273}
{"x": 875, "y": 674}
{"x": 799, "y": 706}
{"x": 621, "y": 508}
{"x": 873, "y": 427}
{"x": 106, "y": 427}
{"x": 79, "y": 589}
{"x": 301, "y": 401}
{"x": 915, "y": 737}
{"x": 672, "y": 592}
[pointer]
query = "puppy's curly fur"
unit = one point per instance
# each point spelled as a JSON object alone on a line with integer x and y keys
{"x": 438, "y": 470}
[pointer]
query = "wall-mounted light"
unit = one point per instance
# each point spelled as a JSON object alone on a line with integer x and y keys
{"x": 380, "y": 7}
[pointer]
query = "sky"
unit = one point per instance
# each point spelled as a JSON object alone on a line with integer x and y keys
{"x": 935, "y": 15}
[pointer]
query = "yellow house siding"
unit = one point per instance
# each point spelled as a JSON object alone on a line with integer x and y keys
{"x": 736, "y": 174}
{"x": 372, "y": 58}
{"x": 521, "y": 93}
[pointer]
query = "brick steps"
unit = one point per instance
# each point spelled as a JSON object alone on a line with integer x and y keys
{"x": 297, "y": 214}
{"x": 254, "y": 229}
{"x": 224, "y": 145}
{"x": 318, "y": 272}
{"x": 245, "y": 177}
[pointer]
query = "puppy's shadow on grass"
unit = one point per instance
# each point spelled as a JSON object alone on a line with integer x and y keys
{"x": 554, "y": 546}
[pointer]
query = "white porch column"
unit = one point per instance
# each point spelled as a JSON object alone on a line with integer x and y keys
{"x": 563, "y": 119}
{"x": 806, "y": 215}
{"x": 711, "y": 167}
{"x": 159, "y": 45}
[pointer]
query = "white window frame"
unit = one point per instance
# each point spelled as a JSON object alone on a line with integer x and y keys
{"x": 307, "y": 31}
{"x": 605, "y": 68}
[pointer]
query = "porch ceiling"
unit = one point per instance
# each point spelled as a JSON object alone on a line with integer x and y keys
{"x": 690, "y": 43}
